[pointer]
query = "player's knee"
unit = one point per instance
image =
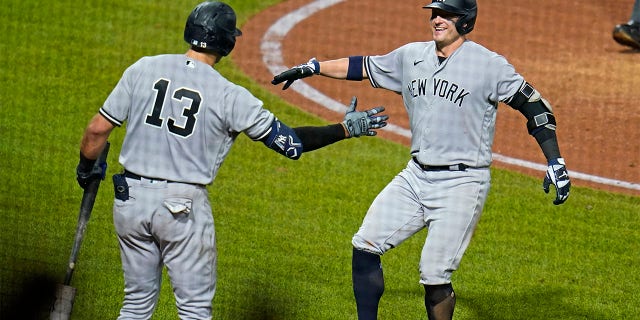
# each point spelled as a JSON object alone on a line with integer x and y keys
{"x": 138, "y": 304}
{"x": 362, "y": 244}
{"x": 432, "y": 274}
{"x": 435, "y": 294}
{"x": 364, "y": 262}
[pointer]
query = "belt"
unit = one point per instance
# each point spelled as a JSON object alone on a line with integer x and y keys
{"x": 454, "y": 167}
{"x": 134, "y": 176}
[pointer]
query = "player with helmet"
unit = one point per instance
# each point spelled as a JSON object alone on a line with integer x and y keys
{"x": 451, "y": 88}
{"x": 182, "y": 119}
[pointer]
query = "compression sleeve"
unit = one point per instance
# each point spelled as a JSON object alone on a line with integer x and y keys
{"x": 317, "y": 137}
{"x": 292, "y": 142}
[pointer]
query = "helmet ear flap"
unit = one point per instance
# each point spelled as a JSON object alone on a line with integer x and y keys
{"x": 462, "y": 25}
{"x": 466, "y": 22}
{"x": 466, "y": 9}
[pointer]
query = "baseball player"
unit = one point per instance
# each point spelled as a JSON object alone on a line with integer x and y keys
{"x": 628, "y": 34}
{"x": 451, "y": 88}
{"x": 182, "y": 118}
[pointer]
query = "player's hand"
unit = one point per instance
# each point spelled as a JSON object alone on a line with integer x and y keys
{"x": 558, "y": 176}
{"x": 361, "y": 123}
{"x": 86, "y": 174}
{"x": 298, "y": 72}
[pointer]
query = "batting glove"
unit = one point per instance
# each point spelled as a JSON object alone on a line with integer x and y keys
{"x": 298, "y": 72}
{"x": 88, "y": 171}
{"x": 558, "y": 176}
{"x": 361, "y": 123}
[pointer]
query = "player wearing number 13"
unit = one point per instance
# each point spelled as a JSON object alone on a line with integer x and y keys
{"x": 182, "y": 118}
{"x": 451, "y": 88}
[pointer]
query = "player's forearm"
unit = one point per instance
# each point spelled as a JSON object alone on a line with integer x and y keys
{"x": 335, "y": 68}
{"x": 548, "y": 144}
{"x": 339, "y": 68}
{"x": 95, "y": 137}
{"x": 317, "y": 137}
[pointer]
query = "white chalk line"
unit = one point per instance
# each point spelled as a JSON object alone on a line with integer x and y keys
{"x": 271, "y": 49}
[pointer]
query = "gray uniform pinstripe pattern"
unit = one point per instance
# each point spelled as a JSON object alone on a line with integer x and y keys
{"x": 151, "y": 235}
{"x": 451, "y": 105}
{"x": 452, "y": 108}
{"x": 224, "y": 110}
{"x": 182, "y": 118}
{"x": 448, "y": 203}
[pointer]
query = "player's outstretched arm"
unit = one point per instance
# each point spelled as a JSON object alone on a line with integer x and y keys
{"x": 343, "y": 68}
{"x": 292, "y": 142}
{"x": 541, "y": 124}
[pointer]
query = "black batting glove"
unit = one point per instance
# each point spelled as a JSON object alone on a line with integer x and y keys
{"x": 89, "y": 170}
{"x": 298, "y": 72}
{"x": 362, "y": 123}
{"x": 558, "y": 176}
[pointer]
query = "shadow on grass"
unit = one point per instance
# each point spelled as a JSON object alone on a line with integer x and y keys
{"x": 30, "y": 299}
{"x": 262, "y": 302}
{"x": 538, "y": 303}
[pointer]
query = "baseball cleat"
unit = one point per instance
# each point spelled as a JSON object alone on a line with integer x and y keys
{"x": 627, "y": 35}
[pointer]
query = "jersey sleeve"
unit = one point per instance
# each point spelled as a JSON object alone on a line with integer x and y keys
{"x": 385, "y": 71}
{"x": 116, "y": 106}
{"x": 246, "y": 113}
{"x": 507, "y": 80}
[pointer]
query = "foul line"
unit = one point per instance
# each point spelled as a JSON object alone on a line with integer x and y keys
{"x": 271, "y": 48}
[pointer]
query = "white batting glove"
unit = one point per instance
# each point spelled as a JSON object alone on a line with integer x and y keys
{"x": 558, "y": 176}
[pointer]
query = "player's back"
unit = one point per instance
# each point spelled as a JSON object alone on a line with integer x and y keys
{"x": 180, "y": 118}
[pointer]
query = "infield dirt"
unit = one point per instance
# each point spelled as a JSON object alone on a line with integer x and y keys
{"x": 564, "y": 48}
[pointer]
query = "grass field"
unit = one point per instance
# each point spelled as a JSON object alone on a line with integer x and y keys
{"x": 283, "y": 227}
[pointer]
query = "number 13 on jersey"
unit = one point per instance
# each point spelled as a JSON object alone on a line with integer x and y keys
{"x": 189, "y": 111}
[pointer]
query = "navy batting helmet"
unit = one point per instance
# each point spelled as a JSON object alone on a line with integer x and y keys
{"x": 211, "y": 26}
{"x": 466, "y": 9}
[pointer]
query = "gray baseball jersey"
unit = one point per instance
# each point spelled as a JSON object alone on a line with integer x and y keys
{"x": 183, "y": 118}
{"x": 451, "y": 105}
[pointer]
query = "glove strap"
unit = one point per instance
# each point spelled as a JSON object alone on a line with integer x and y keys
{"x": 556, "y": 161}
{"x": 316, "y": 66}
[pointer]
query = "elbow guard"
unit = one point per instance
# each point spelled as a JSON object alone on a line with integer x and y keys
{"x": 283, "y": 140}
{"x": 535, "y": 108}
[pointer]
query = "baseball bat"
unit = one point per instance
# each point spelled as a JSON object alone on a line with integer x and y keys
{"x": 65, "y": 294}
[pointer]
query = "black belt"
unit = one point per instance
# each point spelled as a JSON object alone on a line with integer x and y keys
{"x": 134, "y": 176}
{"x": 454, "y": 167}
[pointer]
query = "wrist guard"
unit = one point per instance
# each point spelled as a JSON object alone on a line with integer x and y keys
{"x": 283, "y": 140}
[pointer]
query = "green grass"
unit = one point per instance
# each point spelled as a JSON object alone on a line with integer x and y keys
{"x": 283, "y": 227}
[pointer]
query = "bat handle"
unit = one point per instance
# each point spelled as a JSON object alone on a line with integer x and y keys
{"x": 69, "y": 274}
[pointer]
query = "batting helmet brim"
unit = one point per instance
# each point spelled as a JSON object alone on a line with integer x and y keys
{"x": 445, "y": 7}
